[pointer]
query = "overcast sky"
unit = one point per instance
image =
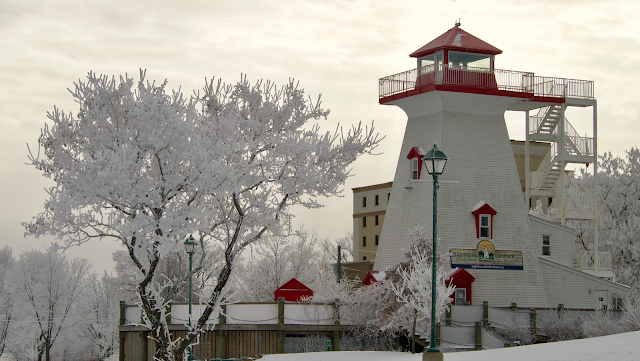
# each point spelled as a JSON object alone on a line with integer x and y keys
{"x": 337, "y": 48}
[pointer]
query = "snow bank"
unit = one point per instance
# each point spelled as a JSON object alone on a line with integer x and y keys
{"x": 621, "y": 347}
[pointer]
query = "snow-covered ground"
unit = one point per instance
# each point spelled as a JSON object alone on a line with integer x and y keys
{"x": 621, "y": 347}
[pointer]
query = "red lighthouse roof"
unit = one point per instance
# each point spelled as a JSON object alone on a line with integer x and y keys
{"x": 458, "y": 40}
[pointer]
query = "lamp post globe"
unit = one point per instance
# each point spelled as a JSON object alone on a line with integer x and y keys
{"x": 435, "y": 160}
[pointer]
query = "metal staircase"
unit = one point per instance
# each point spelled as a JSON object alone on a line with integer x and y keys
{"x": 548, "y": 125}
{"x": 567, "y": 146}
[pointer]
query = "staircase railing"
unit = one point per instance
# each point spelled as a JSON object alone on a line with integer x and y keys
{"x": 538, "y": 177}
{"x": 578, "y": 145}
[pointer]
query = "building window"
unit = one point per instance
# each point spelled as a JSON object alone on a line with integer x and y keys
{"x": 485, "y": 226}
{"x": 377, "y": 203}
{"x": 364, "y": 201}
{"x": 388, "y": 196}
{"x": 364, "y": 258}
{"x": 546, "y": 245}
{"x": 364, "y": 221}
{"x": 364, "y": 241}
{"x": 376, "y": 240}
{"x": 618, "y": 302}
{"x": 377, "y": 220}
{"x": 415, "y": 168}
{"x": 461, "y": 297}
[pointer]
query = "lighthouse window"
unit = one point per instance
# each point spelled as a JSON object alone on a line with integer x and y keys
{"x": 485, "y": 226}
{"x": 464, "y": 60}
{"x": 426, "y": 64}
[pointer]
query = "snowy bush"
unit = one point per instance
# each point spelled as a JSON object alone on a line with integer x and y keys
{"x": 630, "y": 319}
{"x": 560, "y": 326}
{"x": 513, "y": 331}
{"x": 601, "y": 323}
{"x": 366, "y": 340}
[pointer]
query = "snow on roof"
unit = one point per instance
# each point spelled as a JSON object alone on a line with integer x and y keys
{"x": 452, "y": 272}
{"x": 478, "y": 206}
{"x": 379, "y": 276}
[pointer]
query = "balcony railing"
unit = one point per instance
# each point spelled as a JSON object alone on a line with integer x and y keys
{"x": 499, "y": 79}
{"x": 585, "y": 260}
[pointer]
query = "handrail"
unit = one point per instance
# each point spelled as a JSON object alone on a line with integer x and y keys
{"x": 584, "y": 260}
{"x": 506, "y": 80}
{"x": 583, "y": 144}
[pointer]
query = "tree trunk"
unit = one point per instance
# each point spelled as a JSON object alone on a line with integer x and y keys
{"x": 47, "y": 349}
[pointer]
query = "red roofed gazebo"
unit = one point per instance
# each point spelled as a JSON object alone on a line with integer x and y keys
{"x": 293, "y": 291}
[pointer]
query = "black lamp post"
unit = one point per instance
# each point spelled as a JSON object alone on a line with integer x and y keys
{"x": 190, "y": 247}
{"x": 434, "y": 160}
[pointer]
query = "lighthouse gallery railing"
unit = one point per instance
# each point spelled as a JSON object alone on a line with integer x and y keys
{"x": 506, "y": 80}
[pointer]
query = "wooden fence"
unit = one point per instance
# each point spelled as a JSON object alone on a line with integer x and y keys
{"x": 231, "y": 340}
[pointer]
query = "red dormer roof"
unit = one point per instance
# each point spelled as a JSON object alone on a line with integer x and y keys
{"x": 458, "y": 40}
{"x": 458, "y": 273}
{"x": 372, "y": 277}
{"x": 293, "y": 291}
{"x": 483, "y": 208}
{"x": 416, "y": 152}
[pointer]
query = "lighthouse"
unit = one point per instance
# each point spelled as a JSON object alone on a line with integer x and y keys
{"x": 456, "y": 97}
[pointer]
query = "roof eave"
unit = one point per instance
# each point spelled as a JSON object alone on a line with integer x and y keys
{"x": 420, "y": 54}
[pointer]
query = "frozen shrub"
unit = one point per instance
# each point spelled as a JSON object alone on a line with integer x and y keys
{"x": 601, "y": 323}
{"x": 630, "y": 320}
{"x": 560, "y": 326}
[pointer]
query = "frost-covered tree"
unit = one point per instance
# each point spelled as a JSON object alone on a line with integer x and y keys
{"x": 100, "y": 307}
{"x": 148, "y": 168}
{"x": 302, "y": 255}
{"x": 618, "y": 191}
{"x": 413, "y": 287}
{"x": 401, "y": 297}
{"x": 275, "y": 261}
{"x": 45, "y": 287}
{"x": 6, "y": 301}
{"x": 330, "y": 249}
{"x": 173, "y": 266}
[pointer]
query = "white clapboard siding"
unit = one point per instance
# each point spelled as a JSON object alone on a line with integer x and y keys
{"x": 471, "y": 130}
{"x": 574, "y": 288}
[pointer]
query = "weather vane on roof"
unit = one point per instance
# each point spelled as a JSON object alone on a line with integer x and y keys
{"x": 458, "y": 22}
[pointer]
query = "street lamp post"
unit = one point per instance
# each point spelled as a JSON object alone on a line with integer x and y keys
{"x": 434, "y": 160}
{"x": 190, "y": 247}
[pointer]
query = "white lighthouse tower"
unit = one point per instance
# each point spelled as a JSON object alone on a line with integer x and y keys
{"x": 457, "y": 98}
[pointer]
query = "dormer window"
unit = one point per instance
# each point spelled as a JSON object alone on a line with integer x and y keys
{"x": 415, "y": 168}
{"x": 485, "y": 226}
{"x": 484, "y": 220}
{"x": 415, "y": 157}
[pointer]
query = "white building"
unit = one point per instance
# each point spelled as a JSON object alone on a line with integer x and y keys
{"x": 456, "y": 99}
